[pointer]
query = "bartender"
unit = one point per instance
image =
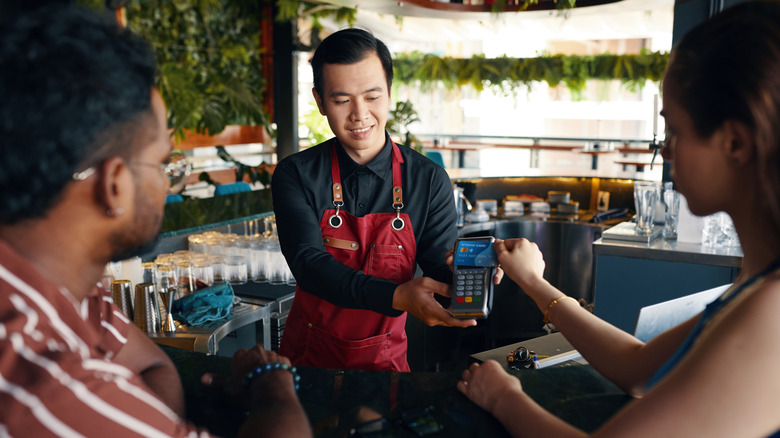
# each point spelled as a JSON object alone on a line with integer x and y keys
{"x": 355, "y": 215}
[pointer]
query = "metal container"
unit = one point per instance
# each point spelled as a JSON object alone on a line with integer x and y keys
{"x": 120, "y": 292}
{"x": 147, "y": 309}
{"x": 512, "y": 207}
{"x": 489, "y": 205}
{"x": 569, "y": 208}
{"x": 539, "y": 207}
{"x": 558, "y": 197}
{"x": 462, "y": 205}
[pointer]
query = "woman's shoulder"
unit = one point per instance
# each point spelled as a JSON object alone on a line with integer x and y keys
{"x": 753, "y": 317}
{"x": 763, "y": 302}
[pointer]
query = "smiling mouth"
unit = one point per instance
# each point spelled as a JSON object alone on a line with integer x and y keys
{"x": 360, "y": 130}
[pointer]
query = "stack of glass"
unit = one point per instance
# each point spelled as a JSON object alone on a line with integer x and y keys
{"x": 237, "y": 259}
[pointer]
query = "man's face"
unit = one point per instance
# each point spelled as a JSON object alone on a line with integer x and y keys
{"x": 150, "y": 185}
{"x": 356, "y": 100}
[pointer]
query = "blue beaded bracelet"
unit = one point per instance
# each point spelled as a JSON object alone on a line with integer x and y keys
{"x": 273, "y": 367}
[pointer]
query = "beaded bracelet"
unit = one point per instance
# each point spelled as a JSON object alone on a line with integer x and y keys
{"x": 273, "y": 367}
{"x": 553, "y": 303}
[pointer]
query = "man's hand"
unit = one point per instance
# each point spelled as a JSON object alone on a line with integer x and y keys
{"x": 416, "y": 298}
{"x": 274, "y": 409}
{"x": 244, "y": 361}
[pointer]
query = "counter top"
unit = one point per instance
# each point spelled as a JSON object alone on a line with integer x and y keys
{"x": 334, "y": 400}
{"x": 206, "y": 338}
{"x": 671, "y": 251}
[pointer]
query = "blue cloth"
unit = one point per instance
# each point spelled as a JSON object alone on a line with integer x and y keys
{"x": 209, "y": 304}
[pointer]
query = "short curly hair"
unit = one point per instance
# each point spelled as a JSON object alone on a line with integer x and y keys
{"x": 73, "y": 85}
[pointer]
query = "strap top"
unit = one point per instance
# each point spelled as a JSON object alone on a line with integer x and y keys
{"x": 706, "y": 316}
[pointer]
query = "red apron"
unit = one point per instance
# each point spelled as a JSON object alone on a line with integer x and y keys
{"x": 318, "y": 333}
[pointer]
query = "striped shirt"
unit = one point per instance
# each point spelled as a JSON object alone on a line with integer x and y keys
{"x": 56, "y": 373}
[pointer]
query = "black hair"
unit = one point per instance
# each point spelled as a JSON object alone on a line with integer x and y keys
{"x": 349, "y": 46}
{"x": 73, "y": 85}
{"x": 728, "y": 68}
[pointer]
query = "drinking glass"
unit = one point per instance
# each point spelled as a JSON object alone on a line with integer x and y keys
{"x": 203, "y": 272}
{"x": 277, "y": 265}
{"x": 197, "y": 243}
{"x": 645, "y": 198}
{"x": 218, "y": 266}
{"x": 149, "y": 272}
{"x": 672, "y": 216}
{"x": 235, "y": 269}
{"x": 187, "y": 280}
{"x": 259, "y": 261}
{"x": 719, "y": 231}
{"x": 214, "y": 244}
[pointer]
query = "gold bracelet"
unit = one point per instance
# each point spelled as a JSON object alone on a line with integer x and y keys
{"x": 554, "y": 302}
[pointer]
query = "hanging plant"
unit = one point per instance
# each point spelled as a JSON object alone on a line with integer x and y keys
{"x": 315, "y": 11}
{"x": 500, "y": 5}
{"x": 505, "y": 72}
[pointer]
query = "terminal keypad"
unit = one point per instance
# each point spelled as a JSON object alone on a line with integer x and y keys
{"x": 469, "y": 285}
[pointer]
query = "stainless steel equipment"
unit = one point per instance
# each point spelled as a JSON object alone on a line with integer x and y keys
{"x": 462, "y": 204}
{"x": 120, "y": 292}
{"x": 147, "y": 308}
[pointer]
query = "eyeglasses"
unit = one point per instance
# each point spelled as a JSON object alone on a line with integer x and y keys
{"x": 176, "y": 167}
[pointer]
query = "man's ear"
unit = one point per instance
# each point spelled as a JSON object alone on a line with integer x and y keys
{"x": 318, "y": 99}
{"x": 739, "y": 142}
{"x": 114, "y": 188}
{"x": 389, "y": 99}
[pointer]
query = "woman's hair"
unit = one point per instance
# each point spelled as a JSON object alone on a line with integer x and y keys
{"x": 349, "y": 46}
{"x": 75, "y": 89}
{"x": 728, "y": 68}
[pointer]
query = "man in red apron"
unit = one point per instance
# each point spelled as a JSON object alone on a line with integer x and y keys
{"x": 355, "y": 216}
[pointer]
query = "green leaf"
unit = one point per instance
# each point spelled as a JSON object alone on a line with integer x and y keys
{"x": 208, "y": 60}
{"x": 505, "y": 72}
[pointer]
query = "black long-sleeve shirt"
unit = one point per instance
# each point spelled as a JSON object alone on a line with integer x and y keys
{"x": 302, "y": 191}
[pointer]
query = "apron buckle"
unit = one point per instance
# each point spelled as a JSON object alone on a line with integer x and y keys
{"x": 398, "y": 223}
{"x": 335, "y": 220}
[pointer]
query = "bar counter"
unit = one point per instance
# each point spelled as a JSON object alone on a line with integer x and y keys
{"x": 631, "y": 275}
{"x": 337, "y": 400}
{"x": 672, "y": 251}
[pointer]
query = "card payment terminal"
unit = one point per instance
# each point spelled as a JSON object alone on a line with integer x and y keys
{"x": 474, "y": 266}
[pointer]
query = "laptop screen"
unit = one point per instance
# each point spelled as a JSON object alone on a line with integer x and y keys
{"x": 660, "y": 317}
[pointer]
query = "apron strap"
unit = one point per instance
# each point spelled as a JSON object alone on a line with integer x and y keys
{"x": 335, "y": 220}
{"x": 397, "y": 195}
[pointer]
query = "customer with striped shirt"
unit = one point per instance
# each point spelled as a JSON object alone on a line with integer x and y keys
{"x": 83, "y": 177}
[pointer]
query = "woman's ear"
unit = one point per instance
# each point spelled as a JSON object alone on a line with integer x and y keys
{"x": 739, "y": 142}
